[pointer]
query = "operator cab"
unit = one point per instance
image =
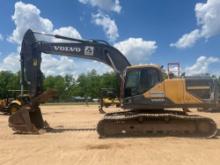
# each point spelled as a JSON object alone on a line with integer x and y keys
{"x": 141, "y": 78}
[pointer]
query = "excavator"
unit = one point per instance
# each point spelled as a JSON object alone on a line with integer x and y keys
{"x": 147, "y": 98}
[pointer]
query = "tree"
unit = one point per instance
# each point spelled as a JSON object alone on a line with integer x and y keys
{"x": 8, "y": 81}
{"x": 86, "y": 85}
{"x": 55, "y": 82}
{"x": 110, "y": 80}
{"x": 93, "y": 84}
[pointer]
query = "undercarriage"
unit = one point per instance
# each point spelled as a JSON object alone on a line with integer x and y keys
{"x": 129, "y": 124}
{"x": 163, "y": 123}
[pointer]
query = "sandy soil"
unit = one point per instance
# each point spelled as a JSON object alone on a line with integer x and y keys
{"x": 75, "y": 141}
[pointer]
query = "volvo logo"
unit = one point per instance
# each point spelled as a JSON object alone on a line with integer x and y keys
{"x": 67, "y": 49}
{"x": 89, "y": 50}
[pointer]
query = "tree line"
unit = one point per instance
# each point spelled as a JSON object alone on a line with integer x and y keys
{"x": 85, "y": 85}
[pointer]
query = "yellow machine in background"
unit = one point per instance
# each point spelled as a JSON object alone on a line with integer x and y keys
{"x": 3, "y": 103}
{"x": 108, "y": 98}
{"x": 12, "y": 103}
{"x": 111, "y": 102}
{"x": 9, "y": 105}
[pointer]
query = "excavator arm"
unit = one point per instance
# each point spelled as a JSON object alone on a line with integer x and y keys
{"x": 95, "y": 50}
{"x": 29, "y": 118}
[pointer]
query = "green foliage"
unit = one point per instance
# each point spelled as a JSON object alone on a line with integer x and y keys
{"x": 8, "y": 81}
{"x": 218, "y": 80}
{"x": 90, "y": 84}
{"x": 165, "y": 76}
{"x": 86, "y": 85}
{"x": 55, "y": 82}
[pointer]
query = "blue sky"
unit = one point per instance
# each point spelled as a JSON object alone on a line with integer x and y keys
{"x": 146, "y": 31}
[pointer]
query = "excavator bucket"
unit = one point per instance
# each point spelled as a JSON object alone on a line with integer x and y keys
{"x": 28, "y": 119}
{"x": 25, "y": 121}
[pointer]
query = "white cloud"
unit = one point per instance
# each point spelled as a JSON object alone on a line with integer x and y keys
{"x": 104, "y": 20}
{"x": 57, "y": 66}
{"x": 52, "y": 65}
{"x": 28, "y": 16}
{"x": 201, "y": 65}
{"x": 68, "y": 31}
{"x": 137, "y": 50}
{"x": 187, "y": 40}
{"x": 208, "y": 16}
{"x": 108, "y": 25}
{"x": 10, "y": 62}
{"x": 1, "y": 37}
{"x": 108, "y": 5}
{"x": 87, "y": 65}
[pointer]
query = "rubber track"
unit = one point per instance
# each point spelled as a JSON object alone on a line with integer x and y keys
{"x": 116, "y": 118}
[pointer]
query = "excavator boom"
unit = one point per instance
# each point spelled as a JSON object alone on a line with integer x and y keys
{"x": 96, "y": 50}
{"x": 29, "y": 118}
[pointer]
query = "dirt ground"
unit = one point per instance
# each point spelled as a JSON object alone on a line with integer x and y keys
{"x": 75, "y": 142}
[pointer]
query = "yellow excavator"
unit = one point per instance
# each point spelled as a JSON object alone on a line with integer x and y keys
{"x": 145, "y": 95}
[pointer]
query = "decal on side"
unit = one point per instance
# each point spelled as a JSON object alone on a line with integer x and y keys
{"x": 89, "y": 50}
